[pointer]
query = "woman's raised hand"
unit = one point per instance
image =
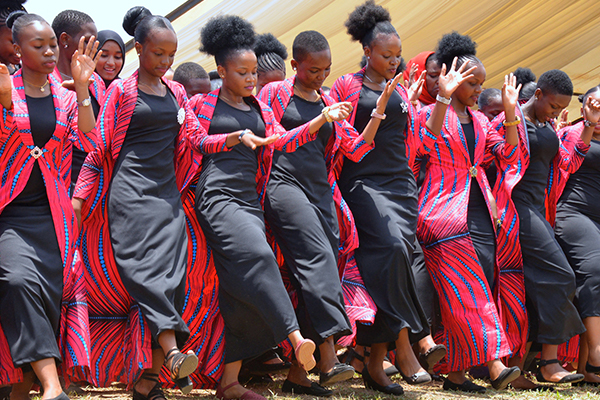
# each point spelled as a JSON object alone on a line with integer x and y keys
{"x": 340, "y": 111}
{"x": 416, "y": 88}
{"x": 450, "y": 81}
{"x": 591, "y": 110}
{"x": 510, "y": 92}
{"x": 252, "y": 141}
{"x": 5, "y": 81}
{"x": 384, "y": 97}
{"x": 84, "y": 61}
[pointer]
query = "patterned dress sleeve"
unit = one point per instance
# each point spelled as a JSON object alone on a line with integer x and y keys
{"x": 352, "y": 144}
{"x": 572, "y": 149}
{"x": 84, "y": 141}
{"x": 496, "y": 144}
{"x": 288, "y": 141}
{"x": 199, "y": 139}
{"x": 7, "y": 122}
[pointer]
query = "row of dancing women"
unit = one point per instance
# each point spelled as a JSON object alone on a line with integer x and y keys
{"x": 196, "y": 235}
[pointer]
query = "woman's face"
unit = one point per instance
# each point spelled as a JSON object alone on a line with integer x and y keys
{"x": 312, "y": 71}
{"x": 468, "y": 92}
{"x": 239, "y": 73}
{"x": 547, "y": 107}
{"x": 38, "y": 47}
{"x": 157, "y": 52}
{"x": 71, "y": 43}
{"x": 432, "y": 76}
{"x": 384, "y": 55}
{"x": 7, "y": 48}
{"x": 110, "y": 62}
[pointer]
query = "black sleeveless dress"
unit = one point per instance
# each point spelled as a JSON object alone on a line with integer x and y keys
{"x": 549, "y": 279}
{"x": 31, "y": 266}
{"x": 381, "y": 192}
{"x": 146, "y": 217}
{"x": 255, "y": 306}
{"x": 577, "y": 230}
{"x": 301, "y": 213}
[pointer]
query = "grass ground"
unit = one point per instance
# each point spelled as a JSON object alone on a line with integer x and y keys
{"x": 354, "y": 390}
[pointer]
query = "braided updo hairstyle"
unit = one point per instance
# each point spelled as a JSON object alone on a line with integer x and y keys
{"x": 367, "y": 21}
{"x": 270, "y": 53}
{"x": 225, "y": 35}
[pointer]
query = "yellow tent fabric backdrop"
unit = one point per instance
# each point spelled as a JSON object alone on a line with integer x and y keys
{"x": 539, "y": 34}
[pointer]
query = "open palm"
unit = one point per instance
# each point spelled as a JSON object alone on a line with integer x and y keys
{"x": 450, "y": 81}
{"x": 84, "y": 60}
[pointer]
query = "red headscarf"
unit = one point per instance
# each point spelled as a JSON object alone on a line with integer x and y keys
{"x": 420, "y": 61}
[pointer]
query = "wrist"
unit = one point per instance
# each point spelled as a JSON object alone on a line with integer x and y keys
{"x": 443, "y": 99}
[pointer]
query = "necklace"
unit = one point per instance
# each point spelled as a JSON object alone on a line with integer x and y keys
{"x": 37, "y": 86}
{"x": 299, "y": 93}
{"x": 160, "y": 93}
{"x": 372, "y": 81}
{"x": 232, "y": 103}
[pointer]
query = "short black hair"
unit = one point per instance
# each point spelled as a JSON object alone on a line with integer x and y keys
{"x": 139, "y": 22}
{"x": 487, "y": 95}
{"x": 454, "y": 45}
{"x": 9, "y": 6}
{"x": 367, "y": 21}
{"x": 308, "y": 42}
{"x": 270, "y": 53}
{"x": 188, "y": 71}
{"x": 18, "y": 20}
{"x": 224, "y": 35}
{"x": 583, "y": 97}
{"x": 527, "y": 91}
{"x": 555, "y": 81}
{"x": 70, "y": 21}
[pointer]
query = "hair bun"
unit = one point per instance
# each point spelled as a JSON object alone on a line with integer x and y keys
{"x": 226, "y": 32}
{"x": 268, "y": 43}
{"x": 10, "y": 20}
{"x": 364, "y": 18}
{"x": 133, "y": 17}
{"x": 453, "y": 45}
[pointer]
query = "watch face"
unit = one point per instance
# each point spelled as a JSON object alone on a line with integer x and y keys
{"x": 86, "y": 102}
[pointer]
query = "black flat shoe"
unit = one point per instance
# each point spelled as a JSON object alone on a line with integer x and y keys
{"x": 592, "y": 369}
{"x": 155, "y": 393}
{"x": 340, "y": 372}
{"x": 571, "y": 378}
{"x": 432, "y": 356}
{"x": 506, "y": 376}
{"x": 314, "y": 389}
{"x": 62, "y": 396}
{"x": 391, "y": 370}
{"x": 467, "y": 386}
{"x": 394, "y": 389}
{"x": 419, "y": 378}
{"x": 185, "y": 385}
{"x": 586, "y": 383}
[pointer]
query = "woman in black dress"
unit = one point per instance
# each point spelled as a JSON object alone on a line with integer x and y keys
{"x": 112, "y": 58}
{"x": 255, "y": 306}
{"x": 577, "y": 229}
{"x": 36, "y": 252}
{"x": 549, "y": 280}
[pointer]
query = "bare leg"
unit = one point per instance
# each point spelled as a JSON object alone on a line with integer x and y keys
{"x": 457, "y": 377}
{"x": 521, "y": 382}
{"x": 587, "y": 341}
{"x": 328, "y": 356}
{"x": 375, "y": 364}
{"x": 552, "y": 372}
{"x": 495, "y": 367}
{"x": 424, "y": 344}
{"x": 144, "y": 386}
{"x": 46, "y": 372}
{"x": 20, "y": 391}
{"x": 298, "y": 375}
{"x": 405, "y": 356}
{"x": 231, "y": 372}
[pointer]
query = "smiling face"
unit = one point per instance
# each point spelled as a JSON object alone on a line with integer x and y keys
{"x": 110, "y": 62}
{"x": 548, "y": 106}
{"x": 157, "y": 52}
{"x": 38, "y": 47}
{"x": 468, "y": 92}
{"x": 312, "y": 71}
{"x": 239, "y": 73}
{"x": 384, "y": 54}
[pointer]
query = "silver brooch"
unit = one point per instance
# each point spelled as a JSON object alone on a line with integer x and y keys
{"x": 36, "y": 152}
{"x": 181, "y": 116}
{"x": 404, "y": 107}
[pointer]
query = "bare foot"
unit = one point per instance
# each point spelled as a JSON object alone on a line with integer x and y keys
{"x": 554, "y": 372}
{"x": 298, "y": 375}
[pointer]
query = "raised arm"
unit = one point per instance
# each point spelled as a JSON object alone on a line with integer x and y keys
{"x": 83, "y": 65}
{"x": 6, "y": 101}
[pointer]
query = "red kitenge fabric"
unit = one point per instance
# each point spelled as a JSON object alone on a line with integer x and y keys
{"x": 16, "y": 161}
{"x": 473, "y": 330}
{"x": 420, "y": 60}
{"x": 121, "y": 343}
{"x": 510, "y": 289}
{"x": 348, "y": 142}
{"x": 571, "y": 153}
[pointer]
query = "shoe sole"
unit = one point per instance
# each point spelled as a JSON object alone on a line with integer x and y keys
{"x": 304, "y": 355}
{"x": 342, "y": 376}
{"x": 432, "y": 358}
{"x": 188, "y": 366}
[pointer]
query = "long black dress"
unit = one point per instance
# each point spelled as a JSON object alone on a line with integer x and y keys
{"x": 382, "y": 194}
{"x": 301, "y": 213}
{"x": 577, "y": 230}
{"x": 146, "y": 217}
{"x": 31, "y": 267}
{"x": 255, "y": 306}
{"x": 549, "y": 280}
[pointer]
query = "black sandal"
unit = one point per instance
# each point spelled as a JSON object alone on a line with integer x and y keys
{"x": 183, "y": 364}
{"x": 592, "y": 369}
{"x": 570, "y": 378}
{"x": 155, "y": 393}
{"x": 351, "y": 354}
